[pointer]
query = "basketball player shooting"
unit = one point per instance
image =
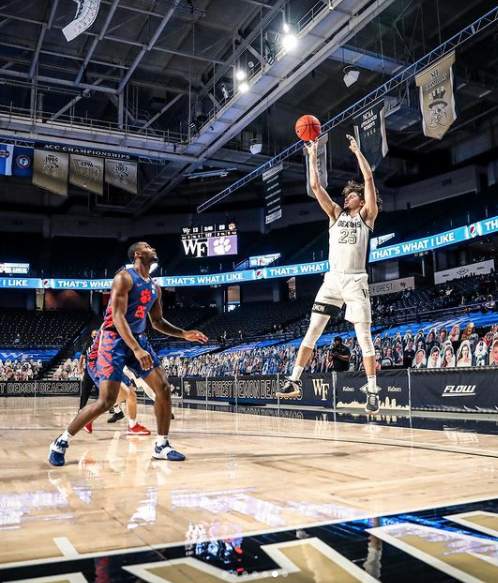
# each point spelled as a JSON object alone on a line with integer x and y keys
{"x": 123, "y": 342}
{"x": 347, "y": 280}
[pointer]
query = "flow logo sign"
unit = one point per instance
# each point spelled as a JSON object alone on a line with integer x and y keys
{"x": 459, "y": 391}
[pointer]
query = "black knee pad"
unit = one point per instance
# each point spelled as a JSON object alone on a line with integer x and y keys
{"x": 326, "y": 309}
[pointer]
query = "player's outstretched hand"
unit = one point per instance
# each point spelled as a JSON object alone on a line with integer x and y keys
{"x": 353, "y": 146}
{"x": 195, "y": 336}
{"x": 144, "y": 358}
{"x": 312, "y": 148}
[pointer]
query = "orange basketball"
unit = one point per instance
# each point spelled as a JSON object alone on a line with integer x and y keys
{"x": 308, "y": 128}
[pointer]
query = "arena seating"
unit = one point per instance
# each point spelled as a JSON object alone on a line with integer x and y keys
{"x": 432, "y": 349}
{"x": 80, "y": 258}
{"x": 39, "y": 329}
{"x": 256, "y": 319}
{"x": 282, "y": 324}
{"x": 186, "y": 318}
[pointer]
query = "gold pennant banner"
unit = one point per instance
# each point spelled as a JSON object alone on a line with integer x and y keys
{"x": 87, "y": 173}
{"x": 50, "y": 171}
{"x": 437, "y": 100}
{"x": 122, "y": 174}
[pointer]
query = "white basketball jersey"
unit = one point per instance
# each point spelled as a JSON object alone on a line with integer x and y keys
{"x": 348, "y": 244}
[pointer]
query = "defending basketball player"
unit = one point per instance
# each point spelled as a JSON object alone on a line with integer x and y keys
{"x": 126, "y": 392}
{"x": 347, "y": 280}
{"x": 87, "y": 364}
{"x": 134, "y": 297}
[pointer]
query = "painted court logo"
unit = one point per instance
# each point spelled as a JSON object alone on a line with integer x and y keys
{"x": 459, "y": 391}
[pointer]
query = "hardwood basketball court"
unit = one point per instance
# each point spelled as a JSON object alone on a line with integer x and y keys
{"x": 251, "y": 478}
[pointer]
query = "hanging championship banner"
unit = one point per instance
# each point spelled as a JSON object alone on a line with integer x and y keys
{"x": 85, "y": 16}
{"x": 322, "y": 164}
{"x": 87, "y": 173}
{"x": 122, "y": 174}
{"x": 50, "y": 171}
{"x": 370, "y": 133}
{"x": 6, "y": 157}
{"x": 437, "y": 101}
{"x": 23, "y": 162}
{"x": 272, "y": 184}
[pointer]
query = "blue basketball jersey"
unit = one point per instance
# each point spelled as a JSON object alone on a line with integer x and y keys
{"x": 141, "y": 297}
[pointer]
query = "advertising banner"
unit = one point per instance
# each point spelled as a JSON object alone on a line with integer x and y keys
{"x": 394, "y": 394}
{"x": 391, "y": 287}
{"x": 480, "y": 268}
{"x": 458, "y": 235}
{"x": 317, "y": 389}
{"x": 39, "y": 389}
{"x": 455, "y": 390}
{"x": 231, "y": 277}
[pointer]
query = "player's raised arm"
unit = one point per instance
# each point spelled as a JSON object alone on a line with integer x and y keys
{"x": 161, "y": 325}
{"x": 332, "y": 209}
{"x": 370, "y": 210}
{"x": 121, "y": 286}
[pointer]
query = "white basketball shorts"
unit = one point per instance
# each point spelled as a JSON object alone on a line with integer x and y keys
{"x": 350, "y": 289}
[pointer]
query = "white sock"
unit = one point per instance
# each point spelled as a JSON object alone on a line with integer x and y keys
{"x": 66, "y": 436}
{"x": 131, "y": 423}
{"x": 372, "y": 384}
{"x": 161, "y": 440}
{"x": 297, "y": 371}
{"x": 117, "y": 409}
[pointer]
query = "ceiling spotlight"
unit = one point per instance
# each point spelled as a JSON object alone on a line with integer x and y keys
{"x": 289, "y": 39}
{"x": 244, "y": 87}
{"x": 240, "y": 75}
{"x": 351, "y": 75}
{"x": 255, "y": 146}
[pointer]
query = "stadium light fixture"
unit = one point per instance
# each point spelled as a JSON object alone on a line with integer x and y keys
{"x": 255, "y": 146}
{"x": 240, "y": 75}
{"x": 244, "y": 87}
{"x": 351, "y": 75}
{"x": 289, "y": 39}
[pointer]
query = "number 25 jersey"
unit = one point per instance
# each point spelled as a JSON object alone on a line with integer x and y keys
{"x": 348, "y": 244}
{"x": 141, "y": 297}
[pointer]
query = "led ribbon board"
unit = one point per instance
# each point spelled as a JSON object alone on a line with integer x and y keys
{"x": 231, "y": 277}
{"x": 458, "y": 235}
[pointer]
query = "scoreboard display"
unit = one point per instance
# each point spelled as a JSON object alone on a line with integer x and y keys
{"x": 215, "y": 240}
